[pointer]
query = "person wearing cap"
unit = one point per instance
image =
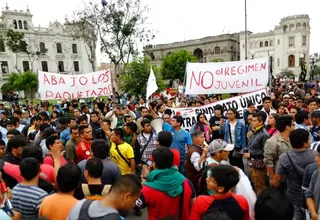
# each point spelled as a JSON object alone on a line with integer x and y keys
{"x": 219, "y": 150}
{"x": 196, "y": 155}
{"x": 315, "y": 119}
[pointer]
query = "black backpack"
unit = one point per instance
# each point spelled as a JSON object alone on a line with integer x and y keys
{"x": 201, "y": 182}
{"x": 84, "y": 213}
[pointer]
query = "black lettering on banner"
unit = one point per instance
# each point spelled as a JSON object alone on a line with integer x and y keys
{"x": 197, "y": 111}
{"x": 243, "y": 102}
{"x": 234, "y": 104}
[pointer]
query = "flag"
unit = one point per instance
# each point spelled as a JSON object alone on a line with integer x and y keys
{"x": 152, "y": 84}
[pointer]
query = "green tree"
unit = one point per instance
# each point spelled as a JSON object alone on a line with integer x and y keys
{"x": 27, "y": 82}
{"x": 16, "y": 43}
{"x": 174, "y": 65}
{"x": 120, "y": 24}
{"x": 136, "y": 75}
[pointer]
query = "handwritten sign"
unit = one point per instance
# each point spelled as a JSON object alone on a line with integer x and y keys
{"x": 227, "y": 77}
{"x": 58, "y": 86}
{"x": 240, "y": 103}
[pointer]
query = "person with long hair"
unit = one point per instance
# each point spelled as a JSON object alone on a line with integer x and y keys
{"x": 272, "y": 124}
{"x": 202, "y": 125}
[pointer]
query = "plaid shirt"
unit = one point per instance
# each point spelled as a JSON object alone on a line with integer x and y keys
{"x": 142, "y": 140}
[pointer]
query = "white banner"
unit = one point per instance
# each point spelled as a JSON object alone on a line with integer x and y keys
{"x": 239, "y": 103}
{"x": 227, "y": 77}
{"x": 59, "y": 86}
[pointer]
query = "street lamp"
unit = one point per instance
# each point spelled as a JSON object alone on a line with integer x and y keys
{"x": 312, "y": 66}
{"x": 252, "y": 54}
{"x": 303, "y": 69}
{"x": 270, "y": 70}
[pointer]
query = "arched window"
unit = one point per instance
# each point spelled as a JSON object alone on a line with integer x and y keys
{"x": 266, "y": 44}
{"x": 298, "y": 25}
{"x": 15, "y": 25}
{"x": 152, "y": 57}
{"x": 2, "y": 46}
{"x": 285, "y": 28}
{"x": 291, "y": 27}
{"x": 59, "y": 48}
{"x": 42, "y": 47}
{"x": 74, "y": 48}
{"x": 261, "y": 44}
{"x": 271, "y": 43}
{"x": 217, "y": 50}
{"x": 25, "y": 25}
{"x": 20, "y": 24}
{"x": 256, "y": 45}
{"x": 304, "y": 26}
{"x": 291, "y": 61}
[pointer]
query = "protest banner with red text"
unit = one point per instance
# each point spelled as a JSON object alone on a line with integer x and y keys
{"x": 58, "y": 86}
{"x": 240, "y": 103}
{"x": 227, "y": 77}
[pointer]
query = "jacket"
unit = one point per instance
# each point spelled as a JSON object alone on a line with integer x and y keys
{"x": 114, "y": 119}
{"x": 256, "y": 143}
{"x": 273, "y": 148}
{"x": 191, "y": 172}
{"x": 240, "y": 134}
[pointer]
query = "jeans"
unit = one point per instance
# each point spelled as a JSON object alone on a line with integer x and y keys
{"x": 182, "y": 168}
{"x": 259, "y": 179}
{"x": 299, "y": 214}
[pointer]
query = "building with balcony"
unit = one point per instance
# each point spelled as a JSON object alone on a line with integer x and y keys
{"x": 53, "y": 49}
{"x": 288, "y": 44}
{"x": 222, "y": 47}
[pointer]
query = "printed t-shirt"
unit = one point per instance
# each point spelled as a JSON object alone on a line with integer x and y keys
{"x": 83, "y": 150}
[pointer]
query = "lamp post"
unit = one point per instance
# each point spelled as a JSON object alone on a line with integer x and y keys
{"x": 270, "y": 71}
{"x": 246, "y": 34}
{"x": 303, "y": 69}
{"x": 252, "y": 54}
{"x": 312, "y": 66}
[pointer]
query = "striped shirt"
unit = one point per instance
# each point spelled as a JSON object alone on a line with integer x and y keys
{"x": 27, "y": 200}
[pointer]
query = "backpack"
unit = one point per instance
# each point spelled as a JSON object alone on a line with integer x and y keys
{"x": 84, "y": 213}
{"x": 201, "y": 182}
{"x": 89, "y": 196}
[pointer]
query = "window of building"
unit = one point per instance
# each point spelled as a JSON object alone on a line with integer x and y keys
{"x": 74, "y": 48}
{"x": 44, "y": 65}
{"x": 266, "y": 44}
{"x": 26, "y": 66}
{"x": 304, "y": 26}
{"x": 60, "y": 66}
{"x": 291, "y": 61}
{"x": 59, "y": 48}
{"x": 4, "y": 67}
{"x": 261, "y": 44}
{"x": 217, "y": 50}
{"x": 278, "y": 62}
{"x": 2, "y": 46}
{"x": 278, "y": 41}
{"x": 15, "y": 25}
{"x": 298, "y": 25}
{"x": 20, "y": 24}
{"x": 205, "y": 59}
{"x": 304, "y": 41}
{"x": 42, "y": 47}
{"x": 25, "y": 25}
{"x": 291, "y": 27}
{"x": 256, "y": 45}
{"x": 76, "y": 66}
{"x": 271, "y": 43}
{"x": 291, "y": 41}
{"x": 285, "y": 28}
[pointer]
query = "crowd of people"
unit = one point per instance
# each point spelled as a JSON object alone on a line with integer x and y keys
{"x": 103, "y": 159}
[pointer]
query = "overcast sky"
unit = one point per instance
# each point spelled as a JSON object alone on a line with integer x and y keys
{"x": 178, "y": 20}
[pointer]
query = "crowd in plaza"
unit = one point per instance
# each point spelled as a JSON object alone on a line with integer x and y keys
{"x": 104, "y": 158}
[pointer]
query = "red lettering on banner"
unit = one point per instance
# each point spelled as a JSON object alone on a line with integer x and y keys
{"x": 83, "y": 82}
{"x": 106, "y": 74}
{"x": 240, "y": 70}
{"x": 226, "y": 71}
{"x": 219, "y": 72}
{"x": 74, "y": 81}
{"x": 49, "y": 94}
{"x": 193, "y": 77}
{"x": 94, "y": 82}
{"x": 211, "y": 80}
{"x": 58, "y": 96}
{"x": 233, "y": 70}
{"x": 61, "y": 81}
{"x": 93, "y": 93}
{"x": 263, "y": 66}
{"x": 250, "y": 68}
{"x": 46, "y": 79}
{"x": 54, "y": 80}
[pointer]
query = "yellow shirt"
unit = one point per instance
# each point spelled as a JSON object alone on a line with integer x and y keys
{"x": 127, "y": 151}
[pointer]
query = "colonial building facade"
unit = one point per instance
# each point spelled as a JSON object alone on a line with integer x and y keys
{"x": 54, "y": 49}
{"x": 286, "y": 44}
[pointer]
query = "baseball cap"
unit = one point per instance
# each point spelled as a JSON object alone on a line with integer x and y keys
{"x": 286, "y": 96}
{"x": 219, "y": 145}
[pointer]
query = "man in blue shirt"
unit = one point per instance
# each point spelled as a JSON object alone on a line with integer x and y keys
{"x": 181, "y": 139}
{"x": 65, "y": 134}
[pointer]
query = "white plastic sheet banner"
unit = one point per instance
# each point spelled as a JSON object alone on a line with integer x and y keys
{"x": 59, "y": 86}
{"x": 227, "y": 77}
